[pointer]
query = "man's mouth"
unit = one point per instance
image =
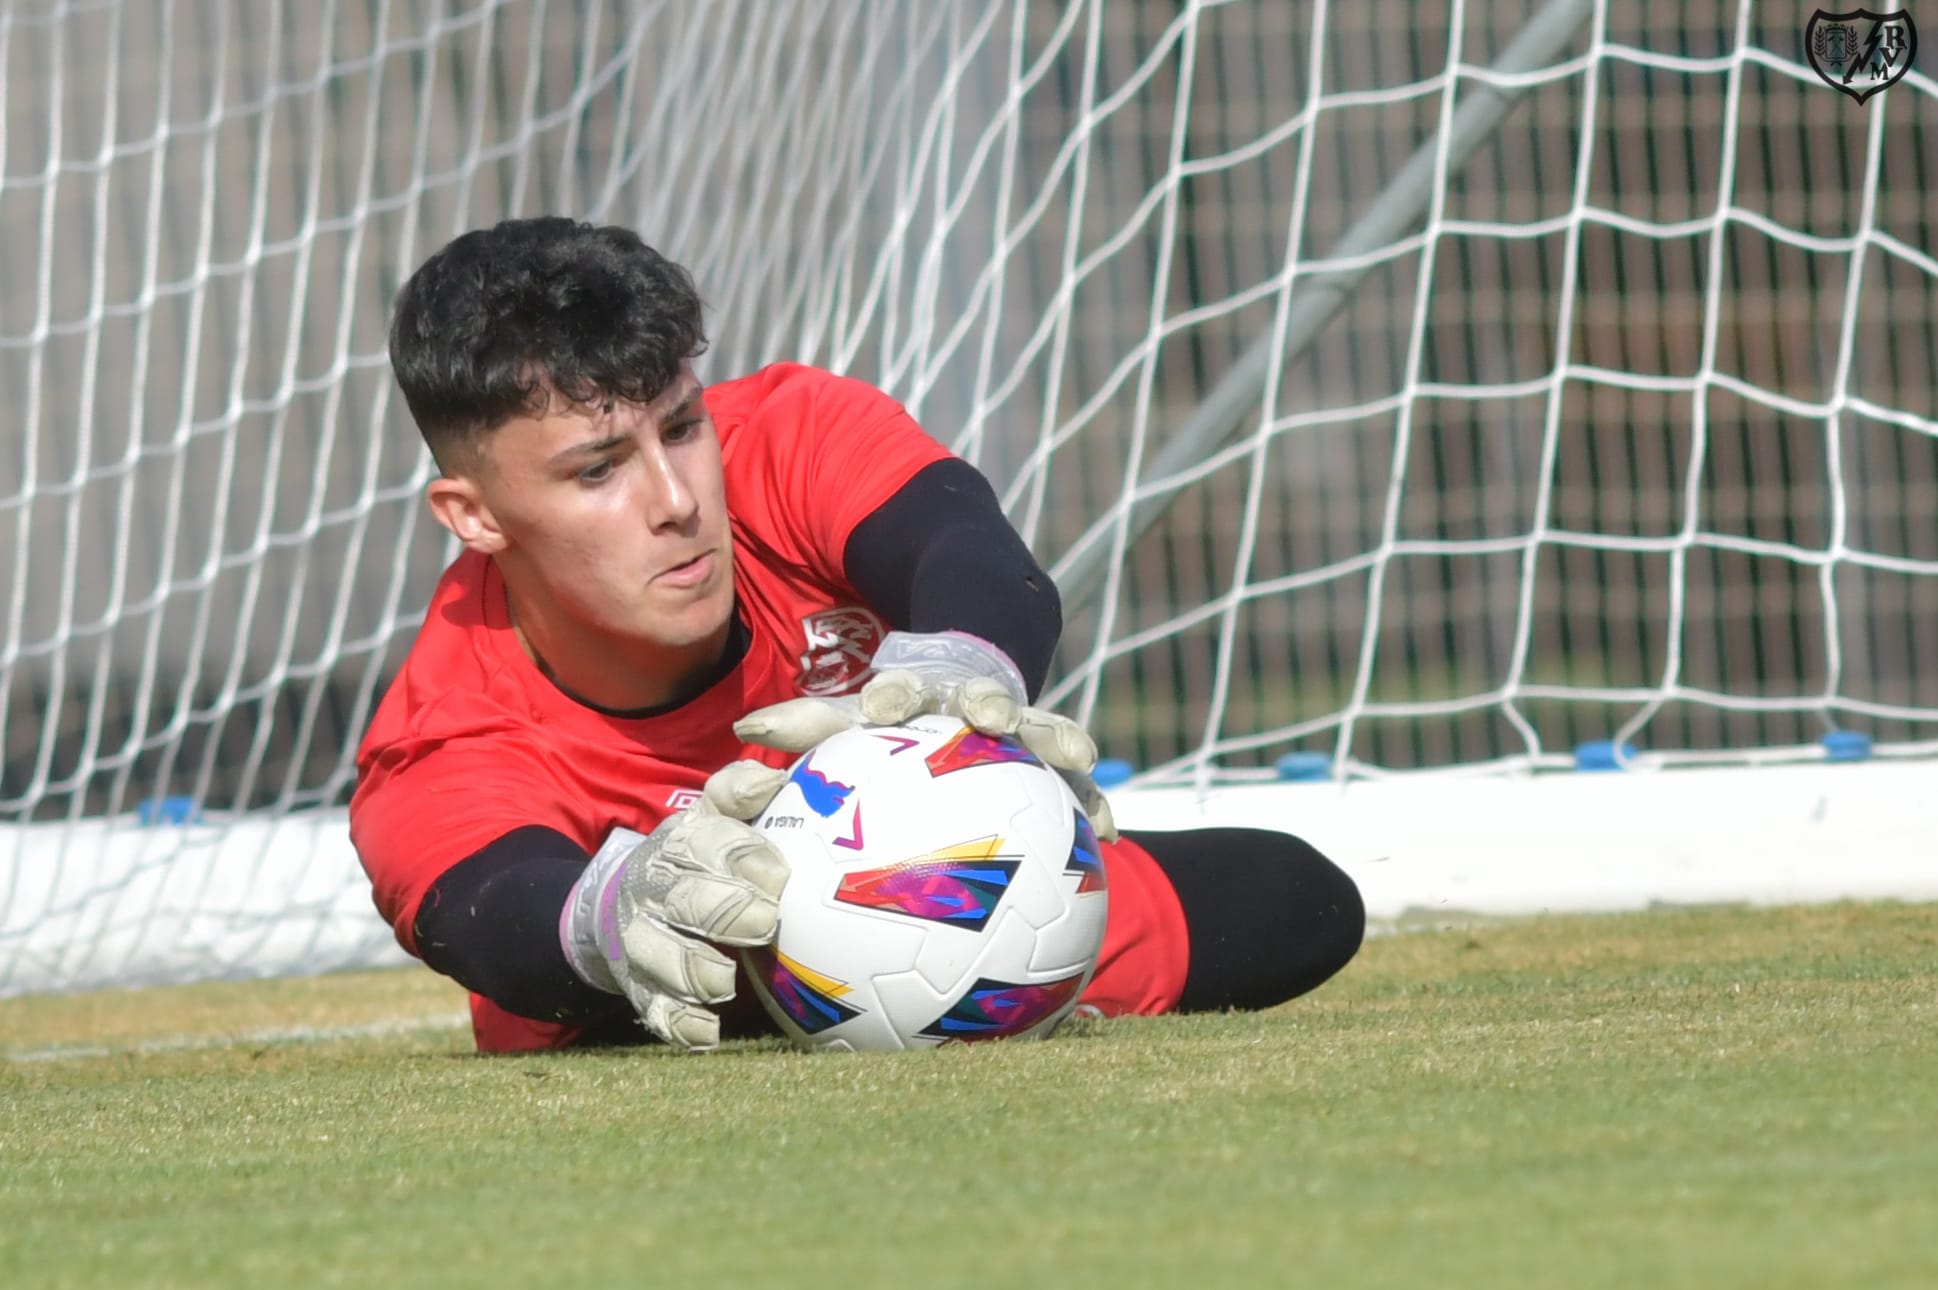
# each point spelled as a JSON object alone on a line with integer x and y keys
{"x": 688, "y": 573}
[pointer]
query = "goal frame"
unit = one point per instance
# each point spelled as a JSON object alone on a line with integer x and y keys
{"x": 120, "y": 865}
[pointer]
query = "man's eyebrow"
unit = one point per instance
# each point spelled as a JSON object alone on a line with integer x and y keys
{"x": 684, "y": 408}
{"x": 590, "y": 448}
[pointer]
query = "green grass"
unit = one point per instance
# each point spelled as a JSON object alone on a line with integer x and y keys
{"x": 1690, "y": 1098}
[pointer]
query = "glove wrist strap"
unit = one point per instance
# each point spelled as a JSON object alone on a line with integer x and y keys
{"x": 949, "y": 659}
{"x": 589, "y": 923}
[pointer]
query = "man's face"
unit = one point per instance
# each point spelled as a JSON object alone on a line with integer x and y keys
{"x": 611, "y": 523}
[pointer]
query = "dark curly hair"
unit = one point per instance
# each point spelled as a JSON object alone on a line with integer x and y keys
{"x": 502, "y": 319}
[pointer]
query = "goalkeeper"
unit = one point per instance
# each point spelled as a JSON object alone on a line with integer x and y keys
{"x": 665, "y": 592}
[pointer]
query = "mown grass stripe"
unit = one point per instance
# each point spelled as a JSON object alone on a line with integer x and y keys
{"x": 383, "y": 1029}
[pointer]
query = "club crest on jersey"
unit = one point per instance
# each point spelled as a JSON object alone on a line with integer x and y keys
{"x": 840, "y": 643}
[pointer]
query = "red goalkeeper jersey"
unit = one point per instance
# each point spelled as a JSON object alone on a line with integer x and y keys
{"x": 471, "y": 741}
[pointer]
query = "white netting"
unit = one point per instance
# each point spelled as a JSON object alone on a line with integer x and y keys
{"x": 1357, "y": 418}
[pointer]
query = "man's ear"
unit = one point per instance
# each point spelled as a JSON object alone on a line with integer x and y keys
{"x": 460, "y": 507}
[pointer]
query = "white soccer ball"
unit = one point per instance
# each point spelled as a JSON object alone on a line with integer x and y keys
{"x": 946, "y": 886}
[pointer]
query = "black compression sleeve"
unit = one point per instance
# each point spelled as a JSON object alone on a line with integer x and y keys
{"x": 491, "y": 923}
{"x": 1269, "y": 918}
{"x": 940, "y": 555}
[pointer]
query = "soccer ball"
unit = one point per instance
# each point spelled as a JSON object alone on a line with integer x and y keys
{"x": 945, "y": 886}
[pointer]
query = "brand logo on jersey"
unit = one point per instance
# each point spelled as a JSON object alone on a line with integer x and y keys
{"x": 840, "y": 644}
{"x": 681, "y": 798}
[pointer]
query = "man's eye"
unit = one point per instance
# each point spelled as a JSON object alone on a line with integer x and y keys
{"x": 597, "y": 473}
{"x": 682, "y": 432}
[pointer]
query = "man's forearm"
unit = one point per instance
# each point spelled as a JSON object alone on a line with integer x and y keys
{"x": 940, "y": 556}
{"x": 491, "y": 923}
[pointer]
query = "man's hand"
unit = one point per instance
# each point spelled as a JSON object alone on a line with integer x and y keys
{"x": 950, "y": 673}
{"x": 645, "y": 919}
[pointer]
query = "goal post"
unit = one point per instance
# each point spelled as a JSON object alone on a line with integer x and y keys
{"x": 1432, "y": 402}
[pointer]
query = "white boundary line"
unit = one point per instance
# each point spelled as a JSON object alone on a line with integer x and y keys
{"x": 279, "y": 1035}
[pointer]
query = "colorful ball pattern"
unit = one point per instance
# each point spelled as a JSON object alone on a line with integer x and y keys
{"x": 945, "y": 887}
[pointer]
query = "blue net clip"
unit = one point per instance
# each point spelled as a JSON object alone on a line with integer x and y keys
{"x": 167, "y": 810}
{"x": 1304, "y": 767}
{"x": 1846, "y": 745}
{"x": 1603, "y": 754}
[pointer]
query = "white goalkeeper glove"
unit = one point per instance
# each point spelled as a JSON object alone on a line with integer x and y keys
{"x": 952, "y": 673}
{"x": 641, "y": 918}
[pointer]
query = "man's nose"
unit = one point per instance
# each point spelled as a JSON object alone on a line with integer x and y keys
{"x": 670, "y": 502}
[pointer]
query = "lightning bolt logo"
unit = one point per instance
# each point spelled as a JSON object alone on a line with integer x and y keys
{"x": 1870, "y": 48}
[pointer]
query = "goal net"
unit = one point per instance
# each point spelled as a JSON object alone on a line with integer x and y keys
{"x": 1402, "y": 393}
